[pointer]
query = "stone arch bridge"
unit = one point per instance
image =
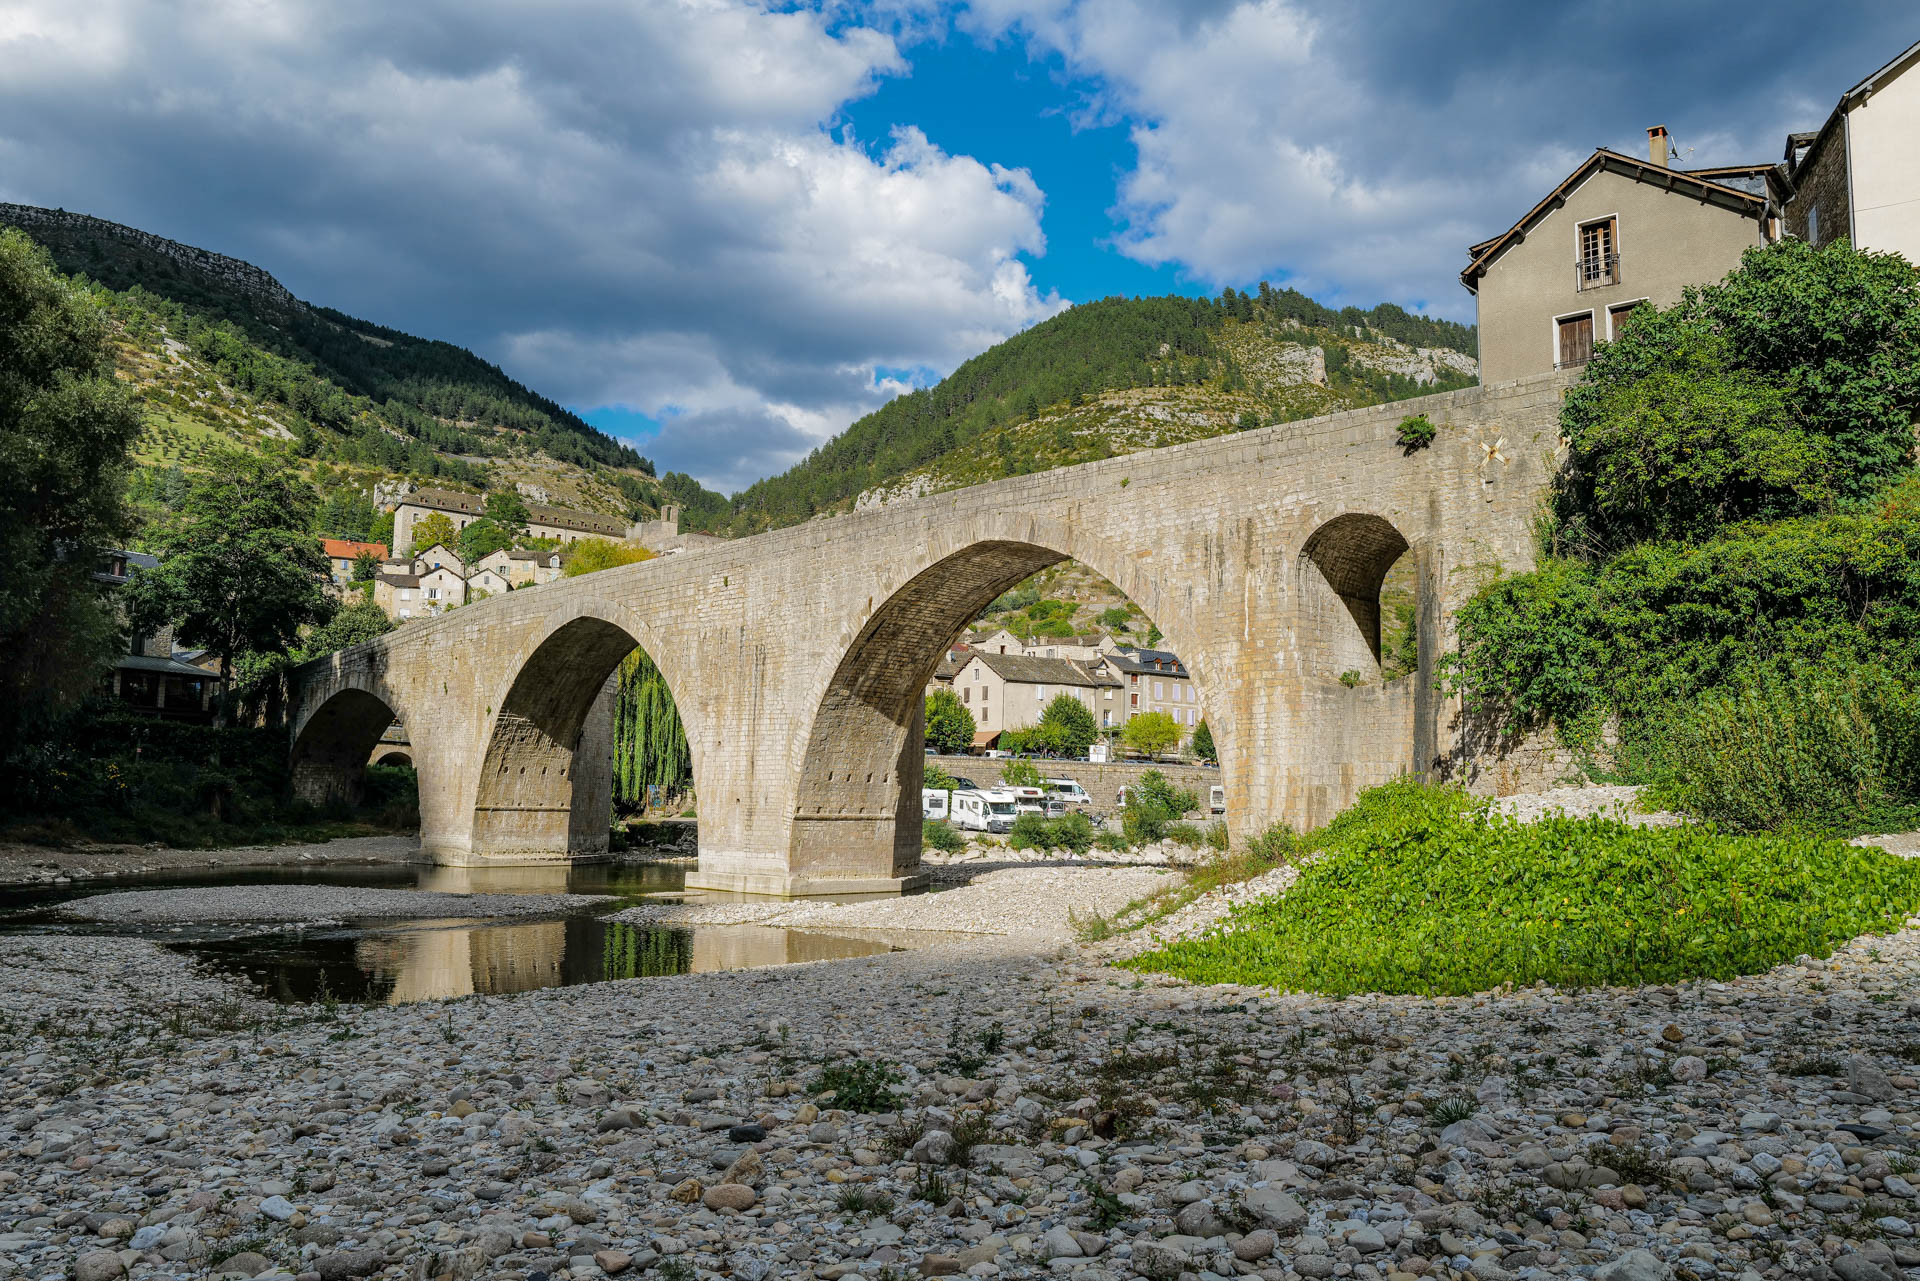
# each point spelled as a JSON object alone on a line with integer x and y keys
{"x": 798, "y": 658}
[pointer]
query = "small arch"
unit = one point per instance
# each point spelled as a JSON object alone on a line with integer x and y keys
{"x": 334, "y": 744}
{"x": 398, "y": 760}
{"x": 1353, "y": 554}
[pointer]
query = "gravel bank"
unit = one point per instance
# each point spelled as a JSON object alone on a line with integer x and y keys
{"x": 39, "y": 864}
{"x": 1119, "y": 1128}
{"x": 1039, "y": 902}
{"x": 313, "y": 903}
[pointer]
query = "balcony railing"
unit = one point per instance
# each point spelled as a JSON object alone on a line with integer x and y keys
{"x": 1596, "y": 272}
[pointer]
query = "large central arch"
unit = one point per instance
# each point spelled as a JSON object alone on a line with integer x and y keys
{"x": 543, "y": 787}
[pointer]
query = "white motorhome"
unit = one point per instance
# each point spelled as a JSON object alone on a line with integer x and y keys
{"x": 982, "y": 811}
{"x": 1217, "y": 799}
{"x": 933, "y": 803}
{"x": 1067, "y": 790}
{"x": 1029, "y": 800}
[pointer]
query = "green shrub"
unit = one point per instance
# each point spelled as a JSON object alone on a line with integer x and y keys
{"x": 1186, "y": 835}
{"x": 1155, "y": 789}
{"x": 1030, "y": 832}
{"x": 935, "y": 834}
{"x": 1418, "y": 890}
{"x": 1821, "y": 750}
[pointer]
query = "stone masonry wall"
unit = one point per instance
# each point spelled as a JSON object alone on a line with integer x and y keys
{"x": 798, "y": 657}
{"x": 1103, "y": 780}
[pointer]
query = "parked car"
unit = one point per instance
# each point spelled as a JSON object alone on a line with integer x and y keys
{"x": 964, "y": 784}
{"x": 982, "y": 811}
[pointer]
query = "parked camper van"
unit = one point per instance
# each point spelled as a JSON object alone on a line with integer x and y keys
{"x": 1217, "y": 799}
{"x": 983, "y": 811}
{"x": 933, "y": 803}
{"x": 1028, "y": 800}
{"x": 1068, "y": 790}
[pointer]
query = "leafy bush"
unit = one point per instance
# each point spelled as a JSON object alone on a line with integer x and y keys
{"x": 1822, "y": 749}
{"x": 1186, "y": 835}
{"x": 1072, "y": 831}
{"x": 937, "y": 835}
{"x": 950, "y": 726}
{"x": 1019, "y": 773}
{"x": 1155, "y": 789}
{"x": 1418, "y": 890}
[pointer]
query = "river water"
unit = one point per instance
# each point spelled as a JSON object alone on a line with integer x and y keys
{"x": 397, "y": 960}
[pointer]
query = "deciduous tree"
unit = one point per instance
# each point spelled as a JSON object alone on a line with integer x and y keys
{"x": 1068, "y": 725}
{"x": 238, "y": 569}
{"x": 950, "y": 726}
{"x": 433, "y": 528}
{"x": 1150, "y": 733}
{"x": 65, "y": 429}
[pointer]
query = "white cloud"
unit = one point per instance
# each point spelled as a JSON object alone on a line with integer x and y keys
{"x": 642, "y": 204}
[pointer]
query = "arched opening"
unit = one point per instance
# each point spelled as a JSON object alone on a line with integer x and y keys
{"x": 550, "y": 778}
{"x": 331, "y": 752}
{"x": 858, "y": 809}
{"x": 1363, "y": 560}
{"x": 397, "y": 760}
{"x": 960, "y": 629}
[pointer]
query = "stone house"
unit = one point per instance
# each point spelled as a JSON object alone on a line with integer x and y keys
{"x": 1010, "y": 691}
{"x": 1155, "y": 680}
{"x": 563, "y": 524}
{"x": 150, "y": 675}
{"x": 341, "y": 555}
{"x": 1083, "y": 649}
{"x": 397, "y": 592}
{"x": 1616, "y": 233}
{"x": 998, "y": 641}
{"x": 438, "y": 556}
{"x": 521, "y": 566}
{"x": 490, "y": 581}
{"x": 1858, "y": 175}
{"x": 442, "y": 588}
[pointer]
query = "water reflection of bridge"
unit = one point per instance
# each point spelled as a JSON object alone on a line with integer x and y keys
{"x": 436, "y": 959}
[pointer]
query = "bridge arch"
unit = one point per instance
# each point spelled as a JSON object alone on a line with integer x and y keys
{"x": 544, "y": 781}
{"x": 856, "y": 809}
{"x": 334, "y": 741}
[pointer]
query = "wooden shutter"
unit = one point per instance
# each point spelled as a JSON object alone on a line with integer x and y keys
{"x": 1576, "y": 340}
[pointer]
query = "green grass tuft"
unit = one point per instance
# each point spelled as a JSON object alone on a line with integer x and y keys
{"x": 1417, "y": 889}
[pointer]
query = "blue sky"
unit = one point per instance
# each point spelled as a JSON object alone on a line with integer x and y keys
{"x": 726, "y": 229}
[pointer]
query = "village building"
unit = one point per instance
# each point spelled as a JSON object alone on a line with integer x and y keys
{"x": 490, "y": 581}
{"x": 1616, "y": 233}
{"x": 341, "y": 555}
{"x": 438, "y": 556}
{"x": 1857, "y": 177}
{"x": 149, "y": 675}
{"x": 1010, "y": 691}
{"x": 397, "y": 593}
{"x": 1155, "y": 680}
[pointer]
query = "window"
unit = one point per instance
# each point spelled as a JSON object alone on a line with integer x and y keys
{"x": 1039, "y": 693}
{"x": 1576, "y": 340}
{"x": 1617, "y": 316}
{"x": 1599, "y": 262}
{"x": 1159, "y": 691}
{"x": 1133, "y": 699}
{"x": 966, "y": 693}
{"x": 1813, "y": 225}
{"x": 406, "y": 594}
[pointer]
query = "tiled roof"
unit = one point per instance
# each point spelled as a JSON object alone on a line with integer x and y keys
{"x": 1022, "y": 670}
{"x": 347, "y": 549}
{"x": 1144, "y": 660}
{"x": 397, "y": 580}
{"x": 445, "y": 500}
{"x": 567, "y": 518}
{"x": 142, "y": 663}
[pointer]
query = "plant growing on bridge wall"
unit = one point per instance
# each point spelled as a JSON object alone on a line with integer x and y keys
{"x": 950, "y": 725}
{"x": 1416, "y": 433}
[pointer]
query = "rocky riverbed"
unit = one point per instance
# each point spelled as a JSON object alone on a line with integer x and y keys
{"x": 1043, "y": 1114}
{"x": 47, "y": 865}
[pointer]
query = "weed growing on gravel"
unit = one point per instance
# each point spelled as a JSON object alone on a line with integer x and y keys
{"x": 1418, "y": 889}
{"x": 859, "y": 1085}
{"x": 1107, "y": 1212}
{"x": 1458, "y": 1108}
{"x": 857, "y": 1198}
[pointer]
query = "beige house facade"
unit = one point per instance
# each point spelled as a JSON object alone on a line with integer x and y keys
{"x": 1858, "y": 177}
{"x": 562, "y": 524}
{"x": 1617, "y": 233}
{"x": 1153, "y": 680}
{"x": 1010, "y": 691}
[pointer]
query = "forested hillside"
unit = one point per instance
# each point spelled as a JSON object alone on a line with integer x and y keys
{"x": 220, "y": 353}
{"x": 1116, "y": 375}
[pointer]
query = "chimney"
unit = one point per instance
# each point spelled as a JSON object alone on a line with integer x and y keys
{"x": 1657, "y": 145}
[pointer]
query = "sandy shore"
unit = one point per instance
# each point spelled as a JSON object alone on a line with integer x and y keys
{"x": 39, "y": 864}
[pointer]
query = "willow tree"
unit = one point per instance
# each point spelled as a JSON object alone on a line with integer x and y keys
{"x": 649, "y": 743}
